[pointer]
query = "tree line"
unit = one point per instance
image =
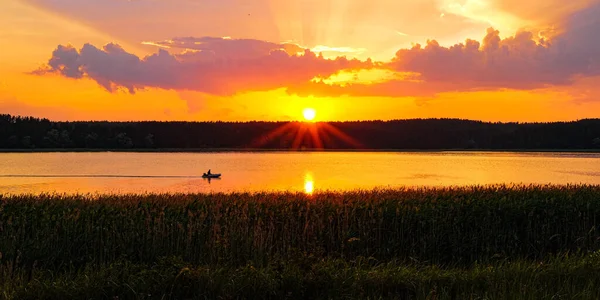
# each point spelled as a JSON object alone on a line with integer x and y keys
{"x": 18, "y": 132}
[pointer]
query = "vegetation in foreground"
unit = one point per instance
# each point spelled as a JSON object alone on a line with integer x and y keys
{"x": 475, "y": 242}
{"x": 559, "y": 278}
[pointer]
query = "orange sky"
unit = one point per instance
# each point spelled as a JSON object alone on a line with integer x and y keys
{"x": 240, "y": 60}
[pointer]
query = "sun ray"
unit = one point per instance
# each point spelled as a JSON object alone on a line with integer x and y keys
{"x": 314, "y": 133}
{"x": 299, "y": 137}
{"x": 344, "y": 137}
{"x": 72, "y": 26}
{"x": 305, "y": 135}
{"x": 325, "y": 138}
{"x": 261, "y": 141}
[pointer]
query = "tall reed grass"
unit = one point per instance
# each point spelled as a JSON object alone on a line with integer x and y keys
{"x": 443, "y": 226}
{"x": 556, "y": 278}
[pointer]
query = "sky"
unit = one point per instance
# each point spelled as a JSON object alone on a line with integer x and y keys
{"x": 242, "y": 60}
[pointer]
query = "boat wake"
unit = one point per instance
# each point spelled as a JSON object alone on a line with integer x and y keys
{"x": 96, "y": 176}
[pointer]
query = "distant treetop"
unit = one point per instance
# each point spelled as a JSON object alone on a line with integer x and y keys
{"x": 18, "y": 132}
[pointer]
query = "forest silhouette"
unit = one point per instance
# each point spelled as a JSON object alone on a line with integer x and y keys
{"x": 18, "y": 132}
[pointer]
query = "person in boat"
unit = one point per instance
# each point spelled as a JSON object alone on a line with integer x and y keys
{"x": 208, "y": 172}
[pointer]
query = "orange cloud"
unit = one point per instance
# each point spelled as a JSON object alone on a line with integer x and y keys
{"x": 216, "y": 66}
{"x": 225, "y": 66}
{"x": 520, "y": 62}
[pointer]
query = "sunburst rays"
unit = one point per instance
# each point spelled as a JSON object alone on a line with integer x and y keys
{"x": 306, "y": 135}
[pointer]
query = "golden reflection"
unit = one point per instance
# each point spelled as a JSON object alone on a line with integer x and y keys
{"x": 309, "y": 184}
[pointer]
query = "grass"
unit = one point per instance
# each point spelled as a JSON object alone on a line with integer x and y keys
{"x": 564, "y": 278}
{"x": 414, "y": 242}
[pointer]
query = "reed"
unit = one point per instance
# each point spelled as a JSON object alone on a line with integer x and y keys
{"x": 454, "y": 227}
{"x": 555, "y": 278}
{"x": 442, "y": 225}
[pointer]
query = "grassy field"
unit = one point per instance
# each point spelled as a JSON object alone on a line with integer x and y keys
{"x": 476, "y": 243}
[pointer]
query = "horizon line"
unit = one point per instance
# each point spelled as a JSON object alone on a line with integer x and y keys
{"x": 310, "y": 122}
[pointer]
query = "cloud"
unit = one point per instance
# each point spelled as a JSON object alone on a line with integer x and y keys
{"x": 213, "y": 66}
{"x": 514, "y": 62}
{"x": 224, "y": 66}
{"x": 327, "y": 49}
{"x": 195, "y": 101}
{"x": 391, "y": 88}
{"x": 225, "y": 47}
{"x": 521, "y": 62}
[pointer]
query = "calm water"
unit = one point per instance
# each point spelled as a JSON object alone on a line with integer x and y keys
{"x": 308, "y": 171}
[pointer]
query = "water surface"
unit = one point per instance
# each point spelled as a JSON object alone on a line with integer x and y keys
{"x": 108, "y": 172}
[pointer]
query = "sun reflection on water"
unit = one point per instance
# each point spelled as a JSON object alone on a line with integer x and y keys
{"x": 309, "y": 184}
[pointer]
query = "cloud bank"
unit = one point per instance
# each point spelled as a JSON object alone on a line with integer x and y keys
{"x": 215, "y": 66}
{"x": 523, "y": 62}
{"x": 224, "y": 66}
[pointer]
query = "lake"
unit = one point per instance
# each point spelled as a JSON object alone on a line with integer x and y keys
{"x": 117, "y": 172}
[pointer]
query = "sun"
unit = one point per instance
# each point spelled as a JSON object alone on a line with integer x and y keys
{"x": 309, "y": 114}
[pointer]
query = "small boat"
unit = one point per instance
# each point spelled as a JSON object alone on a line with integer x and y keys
{"x": 211, "y": 175}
